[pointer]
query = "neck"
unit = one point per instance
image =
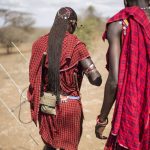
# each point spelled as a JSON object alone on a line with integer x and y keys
{"x": 142, "y": 4}
{"x": 145, "y": 8}
{"x": 139, "y": 3}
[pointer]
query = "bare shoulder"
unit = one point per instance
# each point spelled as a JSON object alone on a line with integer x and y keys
{"x": 114, "y": 29}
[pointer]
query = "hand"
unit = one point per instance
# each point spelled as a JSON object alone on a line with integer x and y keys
{"x": 99, "y": 131}
{"x": 100, "y": 126}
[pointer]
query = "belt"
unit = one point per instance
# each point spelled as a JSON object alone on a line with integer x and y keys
{"x": 64, "y": 99}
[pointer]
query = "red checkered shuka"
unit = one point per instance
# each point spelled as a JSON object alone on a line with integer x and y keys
{"x": 131, "y": 122}
{"x": 63, "y": 130}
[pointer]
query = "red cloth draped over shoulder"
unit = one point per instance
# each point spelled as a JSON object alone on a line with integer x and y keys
{"x": 131, "y": 122}
{"x": 69, "y": 58}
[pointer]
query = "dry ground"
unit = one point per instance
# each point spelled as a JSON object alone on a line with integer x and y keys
{"x": 14, "y": 136}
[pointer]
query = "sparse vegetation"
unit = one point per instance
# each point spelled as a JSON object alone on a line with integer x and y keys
{"x": 92, "y": 27}
{"x": 16, "y": 26}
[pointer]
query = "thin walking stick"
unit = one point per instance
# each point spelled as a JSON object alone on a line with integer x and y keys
{"x": 9, "y": 110}
{"x": 19, "y": 52}
{"x": 16, "y": 86}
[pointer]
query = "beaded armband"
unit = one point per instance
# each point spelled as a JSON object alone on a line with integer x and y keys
{"x": 89, "y": 69}
{"x": 101, "y": 123}
{"x": 125, "y": 25}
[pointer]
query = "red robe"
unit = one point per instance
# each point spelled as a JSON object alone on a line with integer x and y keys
{"x": 63, "y": 130}
{"x": 131, "y": 122}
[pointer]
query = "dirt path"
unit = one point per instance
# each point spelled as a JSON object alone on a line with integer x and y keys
{"x": 14, "y": 136}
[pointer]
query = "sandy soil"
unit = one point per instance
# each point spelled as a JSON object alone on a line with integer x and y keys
{"x": 16, "y": 136}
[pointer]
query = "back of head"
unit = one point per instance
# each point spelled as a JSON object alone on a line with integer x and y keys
{"x": 63, "y": 18}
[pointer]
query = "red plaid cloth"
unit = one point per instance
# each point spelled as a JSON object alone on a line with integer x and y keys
{"x": 35, "y": 71}
{"x": 63, "y": 130}
{"x": 131, "y": 122}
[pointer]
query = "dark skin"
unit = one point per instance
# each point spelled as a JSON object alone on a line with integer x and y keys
{"x": 114, "y": 40}
{"x": 94, "y": 76}
{"x": 114, "y": 33}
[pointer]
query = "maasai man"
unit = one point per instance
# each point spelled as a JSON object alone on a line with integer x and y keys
{"x": 128, "y": 63}
{"x": 59, "y": 75}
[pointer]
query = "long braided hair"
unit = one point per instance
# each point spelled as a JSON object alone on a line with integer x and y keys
{"x": 63, "y": 18}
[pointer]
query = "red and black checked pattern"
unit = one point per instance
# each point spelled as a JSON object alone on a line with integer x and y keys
{"x": 63, "y": 130}
{"x": 73, "y": 51}
{"x": 68, "y": 120}
{"x": 131, "y": 122}
{"x": 35, "y": 71}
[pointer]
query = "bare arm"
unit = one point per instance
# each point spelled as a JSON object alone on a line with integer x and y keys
{"x": 91, "y": 72}
{"x": 114, "y": 39}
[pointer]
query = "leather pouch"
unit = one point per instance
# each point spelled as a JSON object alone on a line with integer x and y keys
{"x": 48, "y": 104}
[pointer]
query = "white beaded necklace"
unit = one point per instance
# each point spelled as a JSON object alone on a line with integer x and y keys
{"x": 146, "y": 8}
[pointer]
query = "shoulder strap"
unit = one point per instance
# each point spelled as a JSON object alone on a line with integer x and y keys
{"x": 42, "y": 64}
